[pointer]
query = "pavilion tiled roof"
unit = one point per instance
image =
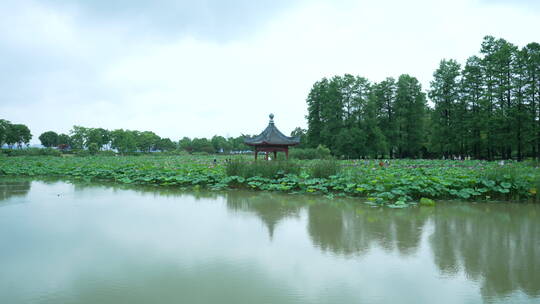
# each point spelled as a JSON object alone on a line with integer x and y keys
{"x": 272, "y": 136}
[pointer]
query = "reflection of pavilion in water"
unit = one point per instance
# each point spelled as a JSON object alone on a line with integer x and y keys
{"x": 270, "y": 208}
{"x": 333, "y": 226}
{"x": 13, "y": 188}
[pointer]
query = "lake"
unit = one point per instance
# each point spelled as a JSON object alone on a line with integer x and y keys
{"x": 63, "y": 242}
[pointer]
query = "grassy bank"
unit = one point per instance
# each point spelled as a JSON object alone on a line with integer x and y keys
{"x": 396, "y": 183}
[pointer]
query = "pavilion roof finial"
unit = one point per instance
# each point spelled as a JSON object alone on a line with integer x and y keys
{"x": 271, "y": 136}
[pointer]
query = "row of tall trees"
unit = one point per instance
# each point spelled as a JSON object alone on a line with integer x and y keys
{"x": 356, "y": 118}
{"x": 489, "y": 108}
{"x": 125, "y": 141}
{"x": 14, "y": 134}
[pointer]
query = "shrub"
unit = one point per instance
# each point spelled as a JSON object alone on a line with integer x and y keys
{"x": 324, "y": 168}
{"x": 321, "y": 152}
{"x": 93, "y": 148}
{"x": 532, "y": 163}
{"x": 32, "y": 152}
{"x": 506, "y": 173}
{"x": 427, "y": 202}
{"x": 517, "y": 179}
{"x": 107, "y": 153}
{"x": 234, "y": 168}
{"x": 268, "y": 169}
{"x": 51, "y": 152}
{"x": 176, "y": 152}
{"x": 200, "y": 153}
{"x": 82, "y": 153}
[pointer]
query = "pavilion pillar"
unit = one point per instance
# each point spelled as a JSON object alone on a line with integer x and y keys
{"x": 287, "y": 153}
{"x": 256, "y": 152}
{"x": 275, "y": 155}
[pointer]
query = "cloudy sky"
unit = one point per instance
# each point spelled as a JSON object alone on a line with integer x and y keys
{"x": 199, "y": 68}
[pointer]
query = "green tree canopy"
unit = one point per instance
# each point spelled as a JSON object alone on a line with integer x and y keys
{"x": 49, "y": 139}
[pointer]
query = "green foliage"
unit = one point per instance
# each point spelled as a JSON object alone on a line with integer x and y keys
{"x": 185, "y": 144}
{"x": 82, "y": 153}
{"x": 202, "y": 145}
{"x": 235, "y": 167}
{"x": 49, "y": 139}
{"x": 505, "y": 177}
{"x": 448, "y": 114}
{"x": 532, "y": 163}
{"x": 384, "y": 95}
{"x": 97, "y": 138}
{"x": 77, "y": 137}
{"x": 302, "y": 134}
{"x": 267, "y": 169}
{"x": 106, "y": 153}
{"x": 165, "y": 145}
{"x": 337, "y": 115}
{"x": 410, "y": 110}
{"x": 176, "y": 152}
{"x": 427, "y": 202}
{"x": 124, "y": 141}
{"x": 489, "y": 109}
{"x": 220, "y": 144}
{"x": 93, "y": 148}
{"x": 202, "y": 153}
{"x": 4, "y": 125}
{"x": 357, "y": 119}
{"x": 216, "y": 144}
{"x": 31, "y": 152}
{"x": 324, "y": 168}
{"x": 146, "y": 141}
{"x": 12, "y": 134}
{"x": 63, "y": 140}
{"x": 321, "y": 152}
{"x": 397, "y": 184}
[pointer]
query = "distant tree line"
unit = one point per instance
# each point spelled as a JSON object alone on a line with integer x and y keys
{"x": 487, "y": 109}
{"x": 128, "y": 141}
{"x": 14, "y": 134}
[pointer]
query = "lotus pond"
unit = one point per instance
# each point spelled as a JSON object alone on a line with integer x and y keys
{"x": 394, "y": 183}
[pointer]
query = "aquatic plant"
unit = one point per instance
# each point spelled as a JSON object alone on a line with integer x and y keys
{"x": 268, "y": 169}
{"x": 396, "y": 183}
{"x": 324, "y": 168}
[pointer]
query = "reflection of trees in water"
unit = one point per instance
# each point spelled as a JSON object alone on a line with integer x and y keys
{"x": 270, "y": 208}
{"x": 354, "y": 230}
{"x": 498, "y": 245}
{"x": 146, "y": 190}
{"x": 13, "y": 187}
{"x": 338, "y": 226}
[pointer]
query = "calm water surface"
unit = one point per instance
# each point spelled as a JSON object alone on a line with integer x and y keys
{"x": 89, "y": 243}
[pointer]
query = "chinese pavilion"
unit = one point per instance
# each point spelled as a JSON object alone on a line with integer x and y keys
{"x": 272, "y": 140}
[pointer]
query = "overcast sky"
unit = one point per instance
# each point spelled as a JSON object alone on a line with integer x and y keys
{"x": 200, "y": 68}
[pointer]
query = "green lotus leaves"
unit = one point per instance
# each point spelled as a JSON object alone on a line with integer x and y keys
{"x": 402, "y": 183}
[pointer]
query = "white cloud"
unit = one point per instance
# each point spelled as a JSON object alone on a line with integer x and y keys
{"x": 73, "y": 65}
